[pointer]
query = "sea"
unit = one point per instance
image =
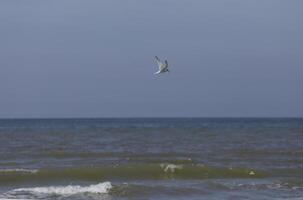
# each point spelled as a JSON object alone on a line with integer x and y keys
{"x": 151, "y": 158}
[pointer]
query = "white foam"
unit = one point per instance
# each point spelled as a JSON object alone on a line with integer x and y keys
{"x": 252, "y": 173}
{"x": 68, "y": 190}
{"x": 20, "y": 170}
{"x": 170, "y": 167}
{"x": 15, "y": 199}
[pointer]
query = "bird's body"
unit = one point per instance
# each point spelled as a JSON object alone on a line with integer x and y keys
{"x": 163, "y": 67}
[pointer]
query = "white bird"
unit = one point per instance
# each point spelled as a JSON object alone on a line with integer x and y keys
{"x": 163, "y": 67}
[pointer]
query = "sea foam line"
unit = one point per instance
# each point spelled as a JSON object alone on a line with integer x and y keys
{"x": 15, "y": 199}
{"x": 20, "y": 170}
{"x": 100, "y": 188}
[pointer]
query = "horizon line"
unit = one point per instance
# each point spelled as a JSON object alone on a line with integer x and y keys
{"x": 166, "y": 117}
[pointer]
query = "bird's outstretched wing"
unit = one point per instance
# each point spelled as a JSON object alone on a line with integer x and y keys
{"x": 160, "y": 64}
{"x": 166, "y": 64}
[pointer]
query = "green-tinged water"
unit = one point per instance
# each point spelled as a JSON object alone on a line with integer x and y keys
{"x": 177, "y": 158}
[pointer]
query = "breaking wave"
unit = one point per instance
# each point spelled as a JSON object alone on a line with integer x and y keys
{"x": 130, "y": 171}
{"x": 18, "y": 170}
{"x": 62, "y": 191}
{"x": 100, "y": 188}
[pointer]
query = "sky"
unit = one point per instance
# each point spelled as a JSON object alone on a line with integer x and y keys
{"x": 227, "y": 58}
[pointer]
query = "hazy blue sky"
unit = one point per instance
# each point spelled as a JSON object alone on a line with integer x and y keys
{"x": 71, "y": 58}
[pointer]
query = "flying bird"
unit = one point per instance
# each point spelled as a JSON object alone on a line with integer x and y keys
{"x": 163, "y": 67}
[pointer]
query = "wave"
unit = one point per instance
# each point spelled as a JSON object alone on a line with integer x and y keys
{"x": 130, "y": 171}
{"x": 68, "y": 190}
{"x": 29, "y": 193}
{"x": 19, "y": 170}
{"x": 127, "y": 155}
{"x": 106, "y": 190}
{"x": 208, "y": 186}
{"x": 282, "y": 185}
{"x": 11, "y": 198}
{"x": 170, "y": 157}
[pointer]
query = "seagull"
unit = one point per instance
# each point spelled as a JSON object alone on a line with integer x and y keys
{"x": 163, "y": 67}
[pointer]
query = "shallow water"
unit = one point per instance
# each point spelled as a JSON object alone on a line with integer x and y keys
{"x": 177, "y": 158}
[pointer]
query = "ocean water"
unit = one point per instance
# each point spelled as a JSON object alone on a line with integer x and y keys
{"x": 152, "y": 158}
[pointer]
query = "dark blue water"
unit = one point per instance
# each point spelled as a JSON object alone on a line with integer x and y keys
{"x": 151, "y": 158}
